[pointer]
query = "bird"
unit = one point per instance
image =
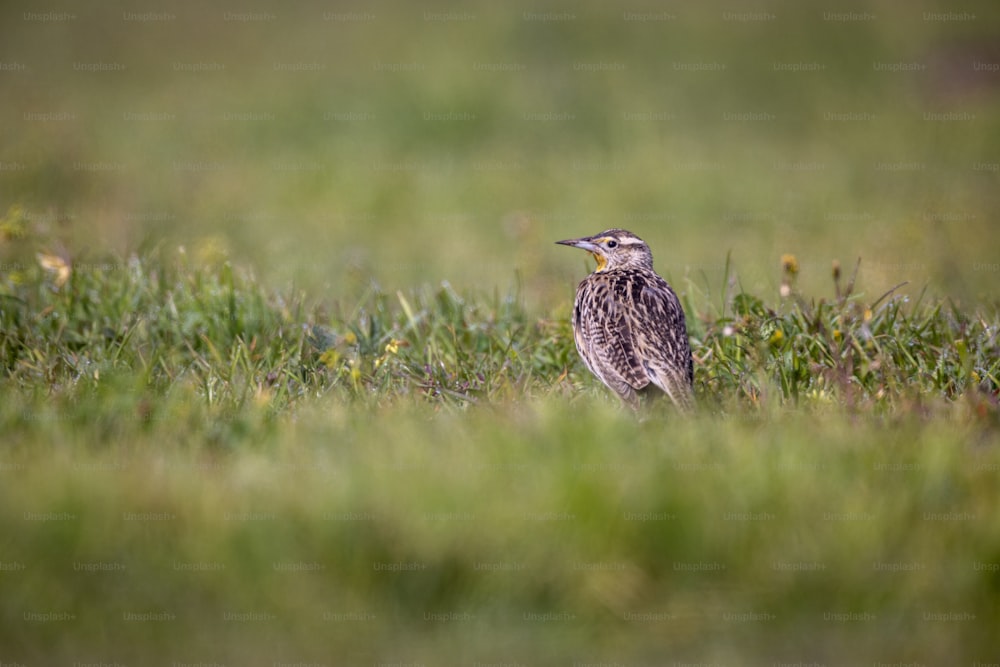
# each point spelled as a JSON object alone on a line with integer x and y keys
{"x": 628, "y": 323}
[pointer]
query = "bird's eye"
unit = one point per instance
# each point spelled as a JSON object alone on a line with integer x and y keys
{"x": 612, "y": 243}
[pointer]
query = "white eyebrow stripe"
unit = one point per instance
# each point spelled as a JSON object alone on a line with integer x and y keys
{"x": 630, "y": 241}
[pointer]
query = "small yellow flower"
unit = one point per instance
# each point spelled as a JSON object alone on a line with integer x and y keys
{"x": 330, "y": 358}
{"x": 14, "y": 225}
{"x": 820, "y": 395}
{"x": 777, "y": 337}
{"x": 55, "y": 265}
{"x": 350, "y": 338}
{"x": 837, "y": 335}
{"x": 868, "y": 314}
{"x": 789, "y": 264}
{"x": 262, "y": 397}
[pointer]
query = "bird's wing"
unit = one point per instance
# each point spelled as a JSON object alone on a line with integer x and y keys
{"x": 664, "y": 346}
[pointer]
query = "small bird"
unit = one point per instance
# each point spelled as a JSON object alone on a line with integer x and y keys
{"x": 628, "y": 322}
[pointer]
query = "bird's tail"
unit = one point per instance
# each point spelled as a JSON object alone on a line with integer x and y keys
{"x": 676, "y": 386}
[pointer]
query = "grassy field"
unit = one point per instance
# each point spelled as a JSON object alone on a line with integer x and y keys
{"x": 199, "y": 470}
{"x": 286, "y": 371}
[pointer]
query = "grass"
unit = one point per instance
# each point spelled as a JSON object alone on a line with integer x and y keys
{"x": 201, "y": 469}
{"x": 368, "y": 538}
{"x": 212, "y": 329}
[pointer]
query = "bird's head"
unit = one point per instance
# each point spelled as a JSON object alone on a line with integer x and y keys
{"x": 615, "y": 249}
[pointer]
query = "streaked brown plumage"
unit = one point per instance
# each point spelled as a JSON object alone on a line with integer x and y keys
{"x": 628, "y": 323}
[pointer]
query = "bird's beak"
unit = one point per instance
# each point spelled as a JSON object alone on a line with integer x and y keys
{"x": 583, "y": 243}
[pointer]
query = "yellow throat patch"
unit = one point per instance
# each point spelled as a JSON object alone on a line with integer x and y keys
{"x": 601, "y": 262}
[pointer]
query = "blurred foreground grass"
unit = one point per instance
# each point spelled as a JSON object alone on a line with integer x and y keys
{"x": 197, "y": 469}
{"x": 543, "y": 533}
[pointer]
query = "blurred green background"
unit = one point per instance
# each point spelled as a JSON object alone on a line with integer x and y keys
{"x": 330, "y": 147}
{"x": 406, "y": 143}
